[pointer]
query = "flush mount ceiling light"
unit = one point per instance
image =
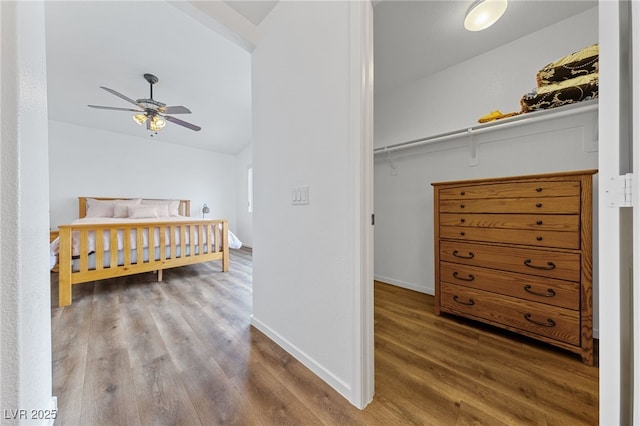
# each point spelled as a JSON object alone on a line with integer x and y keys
{"x": 484, "y": 13}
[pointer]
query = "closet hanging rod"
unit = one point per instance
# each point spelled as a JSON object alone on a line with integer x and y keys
{"x": 528, "y": 118}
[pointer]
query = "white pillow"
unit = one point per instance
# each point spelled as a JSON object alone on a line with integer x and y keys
{"x": 99, "y": 208}
{"x": 120, "y": 207}
{"x": 136, "y": 201}
{"x": 163, "y": 209}
{"x": 141, "y": 212}
{"x": 174, "y": 205}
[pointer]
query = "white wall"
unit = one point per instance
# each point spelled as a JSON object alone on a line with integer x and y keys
{"x": 85, "y": 161}
{"x": 25, "y": 319}
{"x": 455, "y": 98}
{"x": 404, "y": 196}
{"x": 244, "y": 227}
{"x": 304, "y": 294}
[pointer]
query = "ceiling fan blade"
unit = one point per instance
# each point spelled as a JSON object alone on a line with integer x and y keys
{"x": 174, "y": 110}
{"x": 183, "y": 123}
{"x": 120, "y": 95}
{"x": 114, "y": 108}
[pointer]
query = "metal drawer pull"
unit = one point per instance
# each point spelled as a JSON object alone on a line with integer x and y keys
{"x": 539, "y": 238}
{"x": 462, "y": 220}
{"x": 549, "y": 323}
{"x": 550, "y": 265}
{"x": 471, "y": 302}
{"x": 462, "y": 206}
{"x": 538, "y": 189}
{"x": 471, "y": 277}
{"x": 461, "y": 192}
{"x": 550, "y": 292}
{"x": 538, "y": 204}
{"x": 538, "y": 222}
{"x": 462, "y": 233}
{"x": 470, "y": 256}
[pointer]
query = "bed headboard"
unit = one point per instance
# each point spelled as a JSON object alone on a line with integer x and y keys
{"x": 184, "y": 209}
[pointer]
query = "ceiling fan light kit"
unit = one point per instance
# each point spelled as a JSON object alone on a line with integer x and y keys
{"x": 140, "y": 118}
{"x": 484, "y": 13}
{"x": 155, "y": 123}
{"x": 151, "y": 112}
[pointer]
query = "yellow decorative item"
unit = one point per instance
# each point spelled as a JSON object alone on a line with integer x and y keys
{"x": 491, "y": 116}
{"x": 495, "y": 115}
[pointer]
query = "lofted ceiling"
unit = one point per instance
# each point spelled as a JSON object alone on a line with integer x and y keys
{"x": 254, "y": 11}
{"x": 113, "y": 43}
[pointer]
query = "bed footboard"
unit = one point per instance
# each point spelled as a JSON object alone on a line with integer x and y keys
{"x": 90, "y": 252}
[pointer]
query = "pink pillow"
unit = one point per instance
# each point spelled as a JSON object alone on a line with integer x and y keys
{"x": 120, "y": 207}
{"x": 142, "y": 212}
{"x": 163, "y": 209}
{"x": 173, "y": 205}
{"x": 99, "y": 208}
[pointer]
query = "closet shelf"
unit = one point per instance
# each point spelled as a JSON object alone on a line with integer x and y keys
{"x": 517, "y": 120}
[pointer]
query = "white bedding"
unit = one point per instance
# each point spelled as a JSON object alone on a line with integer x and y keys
{"x": 234, "y": 242}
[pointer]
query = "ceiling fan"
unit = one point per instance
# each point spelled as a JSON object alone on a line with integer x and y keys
{"x": 152, "y": 112}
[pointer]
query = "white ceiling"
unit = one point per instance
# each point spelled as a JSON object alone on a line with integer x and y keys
{"x": 113, "y": 43}
{"x": 413, "y": 39}
{"x": 254, "y": 11}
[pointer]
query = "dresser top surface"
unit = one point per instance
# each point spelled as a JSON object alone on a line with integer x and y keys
{"x": 519, "y": 178}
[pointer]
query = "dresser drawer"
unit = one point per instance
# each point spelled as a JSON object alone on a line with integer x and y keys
{"x": 513, "y": 190}
{"x": 565, "y": 294}
{"x": 540, "y": 262}
{"x": 550, "y": 321}
{"x": 540, "y": 205}
{"x": 516, "y": 252}
{"x": 568, "y": 240}
{"x": 546, "y": 222}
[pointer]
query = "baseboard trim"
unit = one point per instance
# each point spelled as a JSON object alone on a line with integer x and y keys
{"x": 409, "y": 286}
{"x": 339, "y": 385}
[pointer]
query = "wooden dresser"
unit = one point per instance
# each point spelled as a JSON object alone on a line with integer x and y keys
{"x": 516, "y": 253}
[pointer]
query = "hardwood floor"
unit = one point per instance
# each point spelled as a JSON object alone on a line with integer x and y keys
{"x": 131, "y": 351}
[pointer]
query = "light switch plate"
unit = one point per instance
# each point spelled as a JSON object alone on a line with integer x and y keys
{"x": 300, "y": 195}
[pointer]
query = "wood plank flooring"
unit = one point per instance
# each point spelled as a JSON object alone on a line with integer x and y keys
{"x": 131, "y": 351}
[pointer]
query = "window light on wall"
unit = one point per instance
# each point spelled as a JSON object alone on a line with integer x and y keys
{"x": 250, "y": 189}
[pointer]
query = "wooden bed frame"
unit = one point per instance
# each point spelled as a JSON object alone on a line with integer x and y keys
{"x": 216, "y": 248}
